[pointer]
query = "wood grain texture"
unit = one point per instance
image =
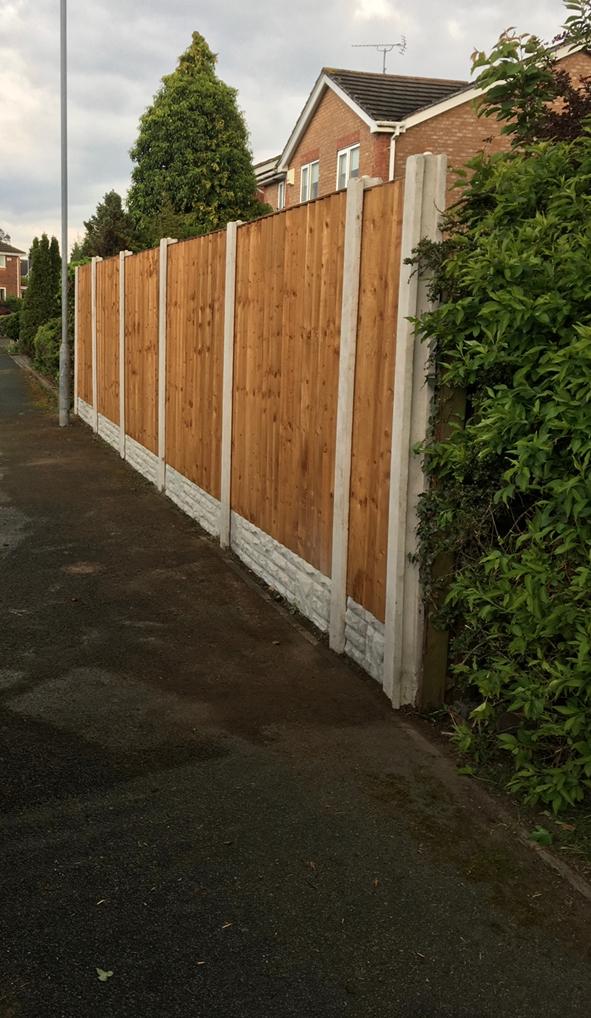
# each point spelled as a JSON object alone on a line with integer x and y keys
{"x": 84, "y": 361}
{"x": 141, "y": 348}
{"x": 288, "y": 305}
{"x": 374, "y": 392}
{"x": 195, "y": 334}
{"x": 107, "y": 337}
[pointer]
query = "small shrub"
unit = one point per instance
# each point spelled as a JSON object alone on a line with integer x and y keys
{"x": 10, "y": 326}
{"x": 47, "y": 348}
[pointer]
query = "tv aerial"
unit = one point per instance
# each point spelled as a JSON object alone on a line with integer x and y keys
{"x": 384, "y": 48}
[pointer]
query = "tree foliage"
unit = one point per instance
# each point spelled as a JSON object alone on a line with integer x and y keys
{"x": 41, "y": 301}
{"x": 527, "y": 89}
{"x": 46, "y": 347}
{"x": 108, "y": 231}
{"x": 193, "y": 166}
{"x": 4, "y": 236}
{"x": 510, "y": 495}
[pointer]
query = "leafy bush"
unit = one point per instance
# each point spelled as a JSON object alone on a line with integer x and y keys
{"x": 10, "y": 325}
{"x": 47, "y": 348}
{"x": 511, "y": 494}
{"x": 13, "y": 303}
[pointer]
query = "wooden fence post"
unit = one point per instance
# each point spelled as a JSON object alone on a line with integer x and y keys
{"x": 228, "y": 383}
{"x": 162, "y": 292}
{"x": 76, "y": 270}
{"x": 122, "y": 256}
{"x": 424, "y": 200}
{"x": 344, "y": 423}
{"x": 93, "y": 266}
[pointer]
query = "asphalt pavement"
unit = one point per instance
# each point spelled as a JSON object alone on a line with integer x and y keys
{"x": 204, "y": 813}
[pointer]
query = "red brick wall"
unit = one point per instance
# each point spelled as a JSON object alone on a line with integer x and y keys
{"x": 461, "y": 134}
{"x": 334, "y": 126}
{"x": 9, "y": 277}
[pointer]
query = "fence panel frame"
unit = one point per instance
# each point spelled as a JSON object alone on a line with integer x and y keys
{"x": 228, "y": 384}
{"x": 424, "y": 201}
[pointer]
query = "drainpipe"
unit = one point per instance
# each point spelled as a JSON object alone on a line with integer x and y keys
{"x": 398, "y": 130}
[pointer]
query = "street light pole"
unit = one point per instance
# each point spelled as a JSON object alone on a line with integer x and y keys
{"x": 64, "y": 384}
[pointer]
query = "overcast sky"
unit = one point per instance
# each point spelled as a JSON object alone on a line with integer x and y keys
{"x": 119, "y": 49}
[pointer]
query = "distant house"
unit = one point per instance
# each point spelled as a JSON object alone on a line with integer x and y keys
{"x": 360, "y": 124}
{"x": 10, "y": 271}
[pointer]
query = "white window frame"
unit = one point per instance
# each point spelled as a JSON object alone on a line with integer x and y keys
{"x": 3, "y": 294}
{"x": 2, "y": 261}
{"x": 308, "y": 167}
{"x": 347, "y": 152}
{"x": 280, "y": 195}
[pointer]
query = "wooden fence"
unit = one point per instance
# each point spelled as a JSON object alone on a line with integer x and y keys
{"x": 251, "y": 374}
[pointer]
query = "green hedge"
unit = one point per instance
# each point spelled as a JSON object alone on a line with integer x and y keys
{"x": 510, "y": 498}
{"x": 47, "y": 348}
{"x": 10, "y": 326}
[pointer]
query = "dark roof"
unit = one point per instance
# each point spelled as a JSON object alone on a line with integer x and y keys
{"x": 393, "y": 96}
{"x": 9, "y": 249}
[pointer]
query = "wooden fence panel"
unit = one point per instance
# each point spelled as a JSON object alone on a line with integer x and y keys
{"x": 107, "y": 338}
{"x": 194, "y": 359}
{"x": 141, "y": 347}
{"x": 288, "y": 306}
{"x": 374, "y": 391}
{"x": 84, "y": 359}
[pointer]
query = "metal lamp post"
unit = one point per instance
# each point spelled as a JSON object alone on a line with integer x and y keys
{"x": 64, "y": 380}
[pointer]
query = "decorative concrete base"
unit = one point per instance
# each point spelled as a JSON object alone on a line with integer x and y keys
{"x": 296, "y": 580}
{"x": 195, "y": 502}
{"x": 141, "y": 459}
{"x": 85, "y": 412}
{"x": 364, "y": 639}
{"x": 108, "y": 431}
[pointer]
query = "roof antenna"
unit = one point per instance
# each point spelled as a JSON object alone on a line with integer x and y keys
{"x": 383, "y": 48}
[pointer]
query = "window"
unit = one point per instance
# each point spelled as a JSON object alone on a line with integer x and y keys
{"x": 2, "y": 294}
{"x": 309, "y": 181}
{"x": 2, "y": 261}
{"x": 347, "y": 165}
{"x": 281, "y": 196}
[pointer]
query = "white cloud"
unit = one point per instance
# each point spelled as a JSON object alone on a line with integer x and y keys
{"x": 370, "y": 10}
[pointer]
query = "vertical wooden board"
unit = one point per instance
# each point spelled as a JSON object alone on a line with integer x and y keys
{"x": 195, "y": 336}
{"x": 84, "y": 361}
{"x": 141, "y": 347}
{"x": 107, "y": 337}
{"x": 288, "y": 298}
{"x": 374, "y": 390}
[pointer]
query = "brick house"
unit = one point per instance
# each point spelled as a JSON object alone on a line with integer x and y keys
{"x": 10, "y": 271}
{"x": 360, "y": 124}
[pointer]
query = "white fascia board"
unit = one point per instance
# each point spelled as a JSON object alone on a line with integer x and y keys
{"x": 447, "y": 104}
{"x": 468, "y": 95}
{"x": 324, "y": 81}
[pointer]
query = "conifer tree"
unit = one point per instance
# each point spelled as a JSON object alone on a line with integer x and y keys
{"x": 193, "y": 164}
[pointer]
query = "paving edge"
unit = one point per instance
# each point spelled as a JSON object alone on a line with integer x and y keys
{"x": 25, "y": 364}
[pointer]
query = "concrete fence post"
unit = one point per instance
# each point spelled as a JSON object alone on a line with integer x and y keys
{"x": 228, "y": 383}
{"x": 162, "y": 296}
{"x": 76, "y": 271}
{"x": 424, "y": 201}
{"x": 93, "y": 266}
{"x": 122, "y": 256}
{"x": 344, "y": 424}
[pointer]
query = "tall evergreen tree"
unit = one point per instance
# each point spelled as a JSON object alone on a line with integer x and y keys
{"x": 39, "y": 304}
{"x": 55, "y": 264}
{"x": 192, "y": 158}
{"x": 110, "y": 230}
{"x": 77, "y": 254}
